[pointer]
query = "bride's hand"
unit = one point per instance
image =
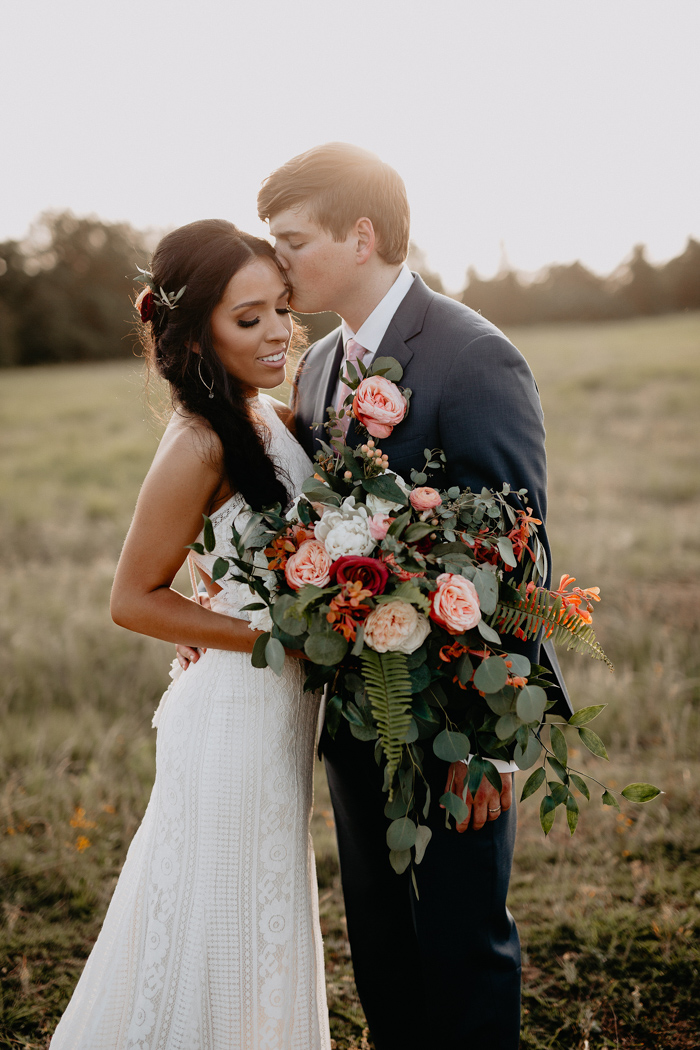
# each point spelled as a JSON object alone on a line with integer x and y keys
{"x": 186, "y": 655}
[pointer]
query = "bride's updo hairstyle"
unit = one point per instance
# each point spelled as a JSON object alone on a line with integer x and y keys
{"x": 202, "y": 257}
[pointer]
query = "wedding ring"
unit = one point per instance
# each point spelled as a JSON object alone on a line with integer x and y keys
{"x": 497, "y": 810}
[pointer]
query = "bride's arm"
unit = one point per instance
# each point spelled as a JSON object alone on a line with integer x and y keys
{"x": 178, "y": 489}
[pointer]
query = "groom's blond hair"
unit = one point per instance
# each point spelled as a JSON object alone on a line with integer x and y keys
{"x": 339, "y": 184}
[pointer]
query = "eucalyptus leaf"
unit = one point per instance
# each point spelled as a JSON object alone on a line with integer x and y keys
{"x": 488, "y": 633}
{"x": 274, "y": 654}
{"x": 531, "y": 703}
{"x": 396, "y": 808}
{"x": 401, "y": 834}
{"x": 389, "y": 367}
{"x": 363, "y": 732}
{"x": 450, "y": 746}
{"x": 423, "y": 837}
{"x": 327, "y": 648}
{"x": 506, "y": 726}
{"x": 527, "y": 756}
{"x": 491, "y": 675}
{"x": 455, "y": 806}
{"x": 487, "y": 588}
{"x": 334, "y": 711}
{"x": 520, "y": 665}
{"x": 399, "y": 860}
{"x": 505, "y": 549}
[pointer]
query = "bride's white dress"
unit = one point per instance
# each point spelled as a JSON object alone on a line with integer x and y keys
{"x": 212, "y": 938}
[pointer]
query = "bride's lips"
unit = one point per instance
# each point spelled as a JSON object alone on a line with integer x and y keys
{"x": 277, "y": 360}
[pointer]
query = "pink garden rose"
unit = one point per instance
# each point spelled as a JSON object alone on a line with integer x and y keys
{"x": 379, "y": 405}
{"x": 396, "y": 627}
{"x": 310, "y": 564}
{"x": 379, "y": 526}
{"x": 424, "y": 498}
{"x": 455, "y": 603}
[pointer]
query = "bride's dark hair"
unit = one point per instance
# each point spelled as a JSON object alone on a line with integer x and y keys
{"x": 204, "y": 256}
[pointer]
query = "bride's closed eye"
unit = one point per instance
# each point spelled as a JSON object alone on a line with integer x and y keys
{"x": 256, "y": 320}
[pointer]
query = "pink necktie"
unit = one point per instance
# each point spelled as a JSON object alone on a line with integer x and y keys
{"x": 354, "y": 352}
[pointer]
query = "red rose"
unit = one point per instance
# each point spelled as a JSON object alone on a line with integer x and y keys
{"x": 146, "y": 305}
{"x": 370, "y": 572}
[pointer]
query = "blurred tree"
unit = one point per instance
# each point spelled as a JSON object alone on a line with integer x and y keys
{"x": 67, "y": 289}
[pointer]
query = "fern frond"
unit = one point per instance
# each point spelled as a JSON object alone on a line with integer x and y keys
{"x": 389, "y": 690}
{"x": 533, "y": 612}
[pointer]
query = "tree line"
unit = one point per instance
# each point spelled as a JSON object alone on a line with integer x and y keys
{"x": 65, "y": 289}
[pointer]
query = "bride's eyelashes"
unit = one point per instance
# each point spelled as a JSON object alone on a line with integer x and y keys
{"x": 256, "y": 320}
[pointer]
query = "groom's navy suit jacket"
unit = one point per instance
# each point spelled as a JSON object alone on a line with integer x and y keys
{"x": 474, "y": 397}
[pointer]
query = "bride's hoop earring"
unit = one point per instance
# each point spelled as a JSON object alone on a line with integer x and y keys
{"x": 206, "y": 385}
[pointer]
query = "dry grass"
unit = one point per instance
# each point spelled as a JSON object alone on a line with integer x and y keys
{"x": 609, "y": 920}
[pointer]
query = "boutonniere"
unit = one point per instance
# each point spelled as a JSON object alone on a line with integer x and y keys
{"x": 375, "y": 400}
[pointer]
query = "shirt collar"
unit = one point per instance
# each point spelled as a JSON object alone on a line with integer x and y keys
{"x": 373, "y": 330}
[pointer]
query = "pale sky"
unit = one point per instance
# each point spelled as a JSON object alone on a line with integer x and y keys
{"x": 563, "y": 129}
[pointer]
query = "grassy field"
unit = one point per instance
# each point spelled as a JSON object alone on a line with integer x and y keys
{"x": 610, "y": 921}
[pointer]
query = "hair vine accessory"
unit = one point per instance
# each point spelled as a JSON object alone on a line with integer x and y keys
{"x": 152, "y": 298}
{"x": 209, "y": 387}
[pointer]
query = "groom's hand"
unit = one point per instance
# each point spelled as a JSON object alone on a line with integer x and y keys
{"x": 487, "y": 804}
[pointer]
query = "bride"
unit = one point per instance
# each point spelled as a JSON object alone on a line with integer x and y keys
{"x": 212, "y": 938}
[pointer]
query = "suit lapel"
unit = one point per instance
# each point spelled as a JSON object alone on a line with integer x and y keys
{"x": 325, "y": 393}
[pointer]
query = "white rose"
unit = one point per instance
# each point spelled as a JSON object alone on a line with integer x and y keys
{"x": 346, "y": 531}
{"x": 375, "y": 505}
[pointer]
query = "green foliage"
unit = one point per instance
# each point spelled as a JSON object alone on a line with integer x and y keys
{"x": 389, "y": 691}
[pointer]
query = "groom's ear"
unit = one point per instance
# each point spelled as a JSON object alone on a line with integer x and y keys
{"x": 365, "y": 240}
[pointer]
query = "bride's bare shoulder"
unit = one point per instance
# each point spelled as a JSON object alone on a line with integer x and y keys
{"x": 190, "y": 437}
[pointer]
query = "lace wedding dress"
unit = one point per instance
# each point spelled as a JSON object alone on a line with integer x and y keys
{"x": 212, "y": 938}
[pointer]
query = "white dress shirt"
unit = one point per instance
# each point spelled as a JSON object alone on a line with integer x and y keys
{"x": 373, "y": 329}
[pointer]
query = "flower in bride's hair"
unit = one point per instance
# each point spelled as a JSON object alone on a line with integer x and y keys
{"x": 345, "y": 530}
{"x": 396, "y": 627}
{"x": 146, "y": 305}
{"x": 455, "y": 603}
{"x": 310, "y": 564}
{"x": 379, "y": 405}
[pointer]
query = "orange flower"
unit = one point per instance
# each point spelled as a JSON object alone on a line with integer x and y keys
{"x": 347, "y": 609}
{"x": 284, "y": 546}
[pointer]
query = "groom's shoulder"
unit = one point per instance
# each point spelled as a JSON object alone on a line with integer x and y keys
{"x": 317, "y": 352}
{"x": 447, "y": 317}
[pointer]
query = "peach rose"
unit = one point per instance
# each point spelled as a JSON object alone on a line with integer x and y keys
{"x": 396, "y": 627}
{"x": 379, "y": 526}
{"x": 379, "y": 405}
{"x": 455, "y": 603}
{"x": 424, "y": 498}
{"x": 310, "y": 564}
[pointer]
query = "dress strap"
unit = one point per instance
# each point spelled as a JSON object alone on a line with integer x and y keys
{"x": 193, "y": 579}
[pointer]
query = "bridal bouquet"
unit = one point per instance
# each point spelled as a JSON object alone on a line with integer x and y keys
{"x": 404, "y": 598}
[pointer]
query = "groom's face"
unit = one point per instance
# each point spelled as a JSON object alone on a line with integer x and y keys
{"x": 320, "y": 270}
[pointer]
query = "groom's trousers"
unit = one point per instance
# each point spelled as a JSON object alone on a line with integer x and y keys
{"x": 443, "y": 969}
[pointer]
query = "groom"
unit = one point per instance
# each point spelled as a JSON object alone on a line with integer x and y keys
{"x": 441, "y": 969}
